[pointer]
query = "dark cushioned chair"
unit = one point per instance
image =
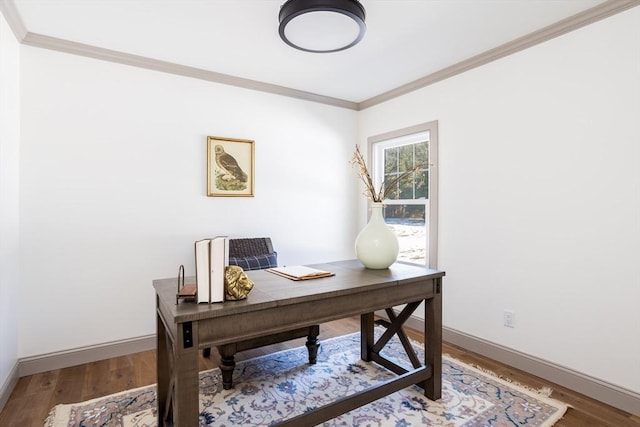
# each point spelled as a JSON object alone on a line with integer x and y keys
{"x": 256, "y": 254}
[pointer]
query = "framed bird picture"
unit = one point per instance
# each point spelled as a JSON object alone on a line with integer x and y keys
{"x": 230, "y": 165}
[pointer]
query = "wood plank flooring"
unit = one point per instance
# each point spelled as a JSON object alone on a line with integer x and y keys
{"x": 35, "y": 395}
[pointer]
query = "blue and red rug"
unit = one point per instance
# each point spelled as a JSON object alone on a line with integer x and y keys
{"x": 282, "y": 385}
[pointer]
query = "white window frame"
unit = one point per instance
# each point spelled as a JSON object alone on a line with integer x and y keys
{"x": 411, "y": 135}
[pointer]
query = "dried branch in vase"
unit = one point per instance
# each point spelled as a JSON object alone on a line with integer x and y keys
{"x": 358, "y": 162}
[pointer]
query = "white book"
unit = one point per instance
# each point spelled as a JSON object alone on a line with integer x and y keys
{"x": 203, "y": 268}
{"x": 218, "y": 262}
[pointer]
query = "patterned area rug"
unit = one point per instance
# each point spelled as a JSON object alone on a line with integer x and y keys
{"x": 282, "y": 385}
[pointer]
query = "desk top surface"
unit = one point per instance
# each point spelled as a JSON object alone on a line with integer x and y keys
{"x": 271, "y": 290}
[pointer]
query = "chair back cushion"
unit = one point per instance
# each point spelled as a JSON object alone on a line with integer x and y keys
{"x": 256, "y": 262}
{"x": 252, "y": 253}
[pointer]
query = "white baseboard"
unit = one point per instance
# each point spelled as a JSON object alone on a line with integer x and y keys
{"x": 79, "y": 356}
{"x": 611, "y": 394}
{"x": 595, "y": 388}
{"x": 8, "y": 386}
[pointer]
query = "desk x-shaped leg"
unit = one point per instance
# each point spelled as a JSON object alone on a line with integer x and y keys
{"x": 370, "y": 350}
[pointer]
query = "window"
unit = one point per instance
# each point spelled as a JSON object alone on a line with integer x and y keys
{"x": 410, "y": 210}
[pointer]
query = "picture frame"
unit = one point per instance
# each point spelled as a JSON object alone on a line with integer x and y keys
{"x": 230, "y": 167}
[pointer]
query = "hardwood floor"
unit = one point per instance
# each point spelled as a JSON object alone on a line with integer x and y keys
{"x": 35, "y": 395}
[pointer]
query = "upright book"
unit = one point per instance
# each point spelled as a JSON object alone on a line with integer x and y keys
{"x": 212, "y": 257}
{"x": 219, "y": 262}
{"x": 203, "y": 282}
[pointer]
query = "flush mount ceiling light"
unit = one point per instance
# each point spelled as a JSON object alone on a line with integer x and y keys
{"x": 322, "y": 25}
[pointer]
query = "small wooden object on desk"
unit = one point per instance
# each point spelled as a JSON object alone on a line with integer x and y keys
{"x": 186, "y": 292}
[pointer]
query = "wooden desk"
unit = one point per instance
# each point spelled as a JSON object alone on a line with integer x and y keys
{"x": 277, "y": 304}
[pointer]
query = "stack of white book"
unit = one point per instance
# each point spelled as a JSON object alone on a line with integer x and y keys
{"x": 212, "y": 257}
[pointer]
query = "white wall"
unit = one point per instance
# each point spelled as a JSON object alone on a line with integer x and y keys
{"x": 9, "y": 159}
{"x": 113, "y": 189}
{"x": 540, "y": 197}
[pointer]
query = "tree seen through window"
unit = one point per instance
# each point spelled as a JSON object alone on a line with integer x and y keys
{"x": 410, "y": 208}
{"x": 397, "y": 160}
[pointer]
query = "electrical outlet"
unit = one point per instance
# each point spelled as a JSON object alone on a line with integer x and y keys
{"x": 509, "y": 318}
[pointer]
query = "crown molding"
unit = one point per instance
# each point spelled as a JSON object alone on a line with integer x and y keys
{"x": 589, "y": 16}
{"x": 75, "y": 48}
{"x": 597, "y": 13}
{"x": 11, "y": 15}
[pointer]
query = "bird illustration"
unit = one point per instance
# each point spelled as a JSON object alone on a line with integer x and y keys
{"x": 229, "y": 165}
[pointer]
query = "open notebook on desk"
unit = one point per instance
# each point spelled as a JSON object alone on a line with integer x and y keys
{"x": 299, "y": 272}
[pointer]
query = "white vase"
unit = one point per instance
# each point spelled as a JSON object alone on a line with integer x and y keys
{"x": 377, "y": 245}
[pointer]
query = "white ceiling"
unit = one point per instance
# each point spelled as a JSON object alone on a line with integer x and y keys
{"x": 406, "y": 40}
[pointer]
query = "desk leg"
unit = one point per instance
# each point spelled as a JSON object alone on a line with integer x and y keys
{"x": 227, "y": 364}
{"x": 186, "y": 399}
{"x": 433, "y": 341}
{"x": 163, "y": 369}
{"x": 366, "y": 336}
{"x": 312, "y": 343}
